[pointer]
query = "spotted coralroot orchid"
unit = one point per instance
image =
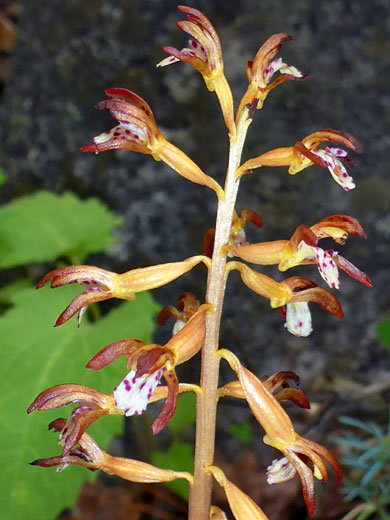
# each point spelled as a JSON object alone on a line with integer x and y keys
{"x": 242, "y": 506}
{"x": 273, "y": 383}
{"x": 205, "y": 55}
{"x": 188, "y": 305}
{"x": 103, "y": 285}
{"x": 280, "y": 434}
{"x": 137, "y": 131}
{"x": 305, "y": 153}
{"x": 293, "y": 293}
{"x": 261, "y": 70}
{"x": 89, "y": 455}
{"x": 302, "y": 249}
{"x": 92, "y": 406}
{"x": 196, "y": 326}
{"x": 149, "y": 363}
{"x": 237, "y": 235}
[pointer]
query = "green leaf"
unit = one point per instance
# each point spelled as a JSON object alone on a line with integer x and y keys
{"x": 369, "y": 475}
{"x": 179, "y": 457}
{"x": 383, "y": 331}
{"x": 44, "y": 226}
{"x": 368, "y": 426}
{"x": 3, "y": 176}
{"x": 242, "y": 431}
{"x": 7, "y": 292}
{"x": 35, "y": 356}
{"x": 353, "y": 442}
{"x": 185, "y": 413}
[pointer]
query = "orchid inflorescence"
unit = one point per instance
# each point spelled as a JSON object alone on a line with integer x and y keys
{"x": 197, "y": 325}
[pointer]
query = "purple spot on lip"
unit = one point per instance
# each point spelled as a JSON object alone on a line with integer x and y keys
{"x": 300, "y": 324}
{"x": 127, "y": 385}
{"x": 127, "y": 131}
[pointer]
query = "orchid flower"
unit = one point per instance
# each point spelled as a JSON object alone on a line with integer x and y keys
{"x": 93, "y": 406}
{"x": 302, "y": 249}
{"x": 307, "y": 152}
{"x": 261, "y": 70}
{"x": 89, "y": 455}
{"x": 103, "y": 284}
{"x": 280, "y": 434}
{"x": 149, "y": 363}
{"x": 294, "y": 293}
{"x": 272, "y": 384}
{"x": 205, "y": 55}
{"x": 237, "y": 233}
{"x": 137, "y": 131}
{"x": 188, "y": 305}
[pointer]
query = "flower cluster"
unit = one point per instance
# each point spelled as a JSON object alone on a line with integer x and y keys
{"x": 197, "y": 325}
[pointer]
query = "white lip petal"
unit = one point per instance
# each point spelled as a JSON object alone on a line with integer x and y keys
{"x": 336, "y": 167}
{"x": 298, "y": 319}
{"x": 133, "y": 393}
{"x": 327, "y": 267}
{"x": 280, "y": 470}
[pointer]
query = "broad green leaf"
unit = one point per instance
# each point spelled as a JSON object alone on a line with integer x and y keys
{"x": 180, "y": 457}
{"x": 44, "y": 226}
{"x": 35, "y": 356}
{"x": 7, "y": 292}
{"x": 185, "y": 413}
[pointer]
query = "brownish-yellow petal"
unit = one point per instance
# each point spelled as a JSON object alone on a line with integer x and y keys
{"x": 242, "y": 506}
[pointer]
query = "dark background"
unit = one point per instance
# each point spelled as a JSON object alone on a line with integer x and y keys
{"x": 68, "y": 52}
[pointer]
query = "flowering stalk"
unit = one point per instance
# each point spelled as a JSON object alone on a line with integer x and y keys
{"x": 197, "y": 325}
{"x": 200, "y": 493}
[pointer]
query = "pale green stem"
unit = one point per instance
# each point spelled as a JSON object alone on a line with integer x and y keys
{"x": 200, "y": 491}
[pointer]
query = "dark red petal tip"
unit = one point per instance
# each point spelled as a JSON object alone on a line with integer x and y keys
{"x": 90, "y": 148}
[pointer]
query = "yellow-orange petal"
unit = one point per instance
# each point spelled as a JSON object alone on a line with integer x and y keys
{"x": 184, "y": 166}
{"x": 263, "y": 404}
{"x": 263, "y": 253}
{"x": 146, "y": 278}
{"x": 278, "y": 293}
{"x": 137, "y": 471}
{"x": 242, "y": 506}
{"x": 188, "y": 341}
{"x": 277, "y": 157}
